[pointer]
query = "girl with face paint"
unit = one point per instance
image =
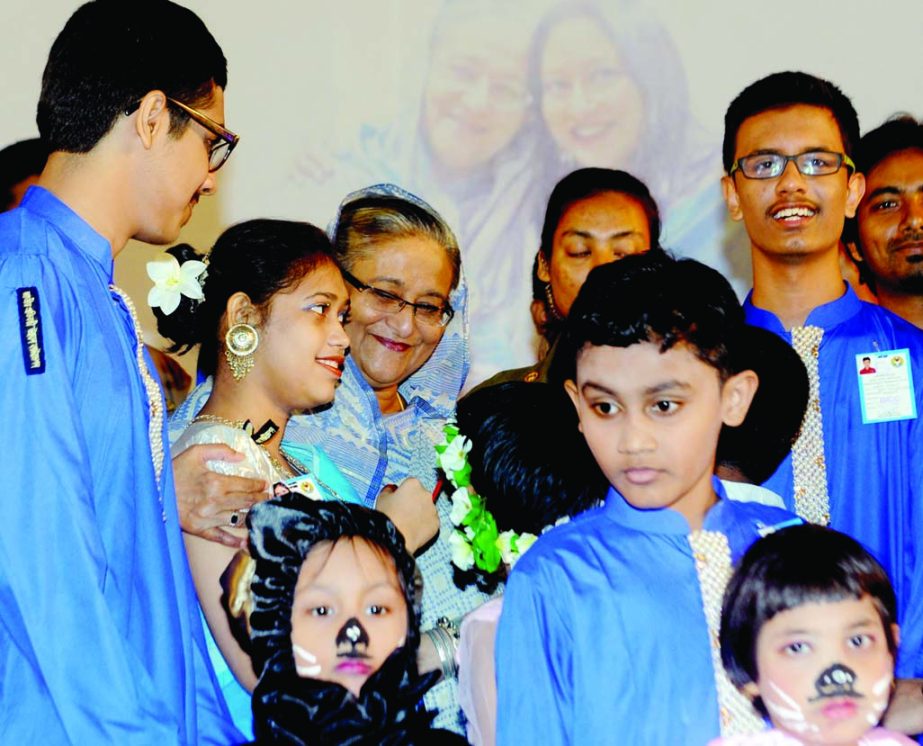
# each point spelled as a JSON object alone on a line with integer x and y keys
{"x": 348, "y": 612}
{"x": 334, "y": 627}
{"x": 807, "y": 634}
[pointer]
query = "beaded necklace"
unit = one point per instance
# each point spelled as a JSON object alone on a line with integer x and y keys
{"x": 154, "y": 396}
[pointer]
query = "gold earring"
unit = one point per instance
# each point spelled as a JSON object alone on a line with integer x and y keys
{"x": 240, "y": 343}
{"x": 550, "y": 306}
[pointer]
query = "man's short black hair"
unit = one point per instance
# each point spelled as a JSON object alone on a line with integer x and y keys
{"x": 792, "y": 567}
{"x": 588, "y": 182}
{"x": 652, "y": 297}
{"x": 780, "y": 91}
{"x": 18, "y": 162}
{"x": 901, "y": 132}
{"x": 110, "y": 54}
{"x": 528, "y": 459}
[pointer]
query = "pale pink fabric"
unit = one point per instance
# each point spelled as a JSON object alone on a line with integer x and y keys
{"x": 875, "y": 737}
{"x": 477, "y": 685}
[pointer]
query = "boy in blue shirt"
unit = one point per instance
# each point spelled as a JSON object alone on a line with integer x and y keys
{"x": 609, "y": 627}
{"x": 101, "y": 640}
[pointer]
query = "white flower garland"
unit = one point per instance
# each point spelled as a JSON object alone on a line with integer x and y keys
{"x": 475, "y": 541}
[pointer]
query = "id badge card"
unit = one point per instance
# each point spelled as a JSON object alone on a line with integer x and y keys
{"x": 886, "y": 386}
{"x": 304, "y": 484}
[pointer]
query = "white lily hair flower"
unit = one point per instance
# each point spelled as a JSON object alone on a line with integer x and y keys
{"x": 523, "y": 543}
{"x": 505, "y": 546}
{"x": 560, "y": 522}
{"x": 172, "y": 281}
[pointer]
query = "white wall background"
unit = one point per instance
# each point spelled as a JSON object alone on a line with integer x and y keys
{"x": 308, "y": 79}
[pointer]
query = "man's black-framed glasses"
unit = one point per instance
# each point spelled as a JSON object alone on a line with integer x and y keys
{"x": 219, "y": 150}
{"x": 811, "y": 163}
{"x": 389, "y": 303}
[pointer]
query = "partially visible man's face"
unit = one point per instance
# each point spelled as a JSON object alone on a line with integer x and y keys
{"x": 792, "y": 216}
{"x": 890, "y": 221}
{"x": 180, "y": 176}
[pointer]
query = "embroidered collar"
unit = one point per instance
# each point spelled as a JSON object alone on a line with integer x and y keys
{"x": 45, "y": 204}
{"x": 825, "y": 316}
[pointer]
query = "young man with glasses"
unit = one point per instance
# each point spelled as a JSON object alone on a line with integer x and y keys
{"x": 858, "y": 462}
{"x": 102, "y": 639}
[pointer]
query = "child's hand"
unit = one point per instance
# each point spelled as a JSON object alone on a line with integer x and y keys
{"x": 410, "y": 508}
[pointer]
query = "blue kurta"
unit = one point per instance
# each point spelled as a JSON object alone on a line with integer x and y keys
{"x": 603, "y": 637}
{"x": 100, "y": 638}
{"x": 874, "y": 471}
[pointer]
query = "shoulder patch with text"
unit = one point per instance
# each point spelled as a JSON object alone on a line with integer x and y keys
{"x": 30, "y": 330}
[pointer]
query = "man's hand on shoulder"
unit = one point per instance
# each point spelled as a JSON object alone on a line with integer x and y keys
{"x": 206, "y": 500}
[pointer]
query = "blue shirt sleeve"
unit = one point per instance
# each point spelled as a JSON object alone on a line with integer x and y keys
{"x": 910, "y": 651}
{"x": 532, "y": 664}
{"x": 64, "y": 664}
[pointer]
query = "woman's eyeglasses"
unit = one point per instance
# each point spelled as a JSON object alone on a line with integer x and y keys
{"x": 389, "y": 303}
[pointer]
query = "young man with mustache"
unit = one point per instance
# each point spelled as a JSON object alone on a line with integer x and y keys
{"x": 857, "y": 465}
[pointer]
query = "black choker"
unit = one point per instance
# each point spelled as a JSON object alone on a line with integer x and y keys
{"x": 268, "y": 429}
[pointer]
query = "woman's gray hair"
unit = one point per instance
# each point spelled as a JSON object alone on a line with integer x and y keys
{"x": 382, "y": 213}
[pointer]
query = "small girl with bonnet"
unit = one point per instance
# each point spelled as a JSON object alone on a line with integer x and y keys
{"x": 333, "y": 628}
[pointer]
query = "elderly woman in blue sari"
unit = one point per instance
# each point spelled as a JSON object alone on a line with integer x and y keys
{"x": 408, "y": 361}
{"x": 457, "y": 130}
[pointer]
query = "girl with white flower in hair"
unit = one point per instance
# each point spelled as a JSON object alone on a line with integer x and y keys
{"x": 514, "y": 481}
{"x": 267, "y": 314}
{"x": 408, "y": 360}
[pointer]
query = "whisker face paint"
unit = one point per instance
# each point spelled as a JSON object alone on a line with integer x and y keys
{"x": 881, "y": 694}
{"x": 787, "y": 711}
{"x": 309, "y": 668}
{"x": 825, "y": 670}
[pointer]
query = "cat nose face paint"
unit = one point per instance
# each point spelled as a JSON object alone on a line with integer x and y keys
{"x": 824, "y": 670}
{"x": 836, "y": 681}
{"x": 352, "y": 640}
